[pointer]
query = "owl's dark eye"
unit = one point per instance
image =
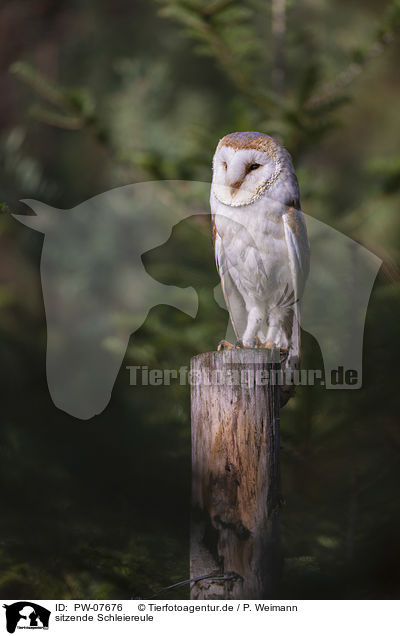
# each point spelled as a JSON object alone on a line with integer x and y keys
{"x": 253, "y": 166}
{"x": 224, "y": 165}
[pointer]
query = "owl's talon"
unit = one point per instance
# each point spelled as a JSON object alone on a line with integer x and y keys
{"x": 224, "y": 344}
{"x": 284, "y": 353}
{"x": 239, "y": 344}
{"x": 265, "y": 345}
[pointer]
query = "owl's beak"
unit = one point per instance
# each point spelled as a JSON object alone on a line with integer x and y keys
{"x": 235, "y": 187}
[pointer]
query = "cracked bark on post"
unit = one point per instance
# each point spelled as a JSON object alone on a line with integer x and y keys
{"x": 235, "y": 475}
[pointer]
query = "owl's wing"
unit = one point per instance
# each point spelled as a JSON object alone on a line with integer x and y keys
{"x": 233, "y": 299}
{"x": 298, "y": 248}
{"x": 299, "y": 259}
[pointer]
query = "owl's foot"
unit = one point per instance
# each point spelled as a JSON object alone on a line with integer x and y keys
{"x": 251, "y": 344}
{"x": 265, "y": 345}
{"x": 224, "y": 344}
{"x": 270, "y": 345}
{"x": 255, "y": 343}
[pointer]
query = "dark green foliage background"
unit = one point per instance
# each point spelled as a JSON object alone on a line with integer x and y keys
{"x": 99, "y": 94}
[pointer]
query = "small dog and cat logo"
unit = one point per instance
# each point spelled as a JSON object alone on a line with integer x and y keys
{"x": 26, "y": 615}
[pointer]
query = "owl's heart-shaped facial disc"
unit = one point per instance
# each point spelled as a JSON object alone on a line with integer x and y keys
{"x": 241, "y": 175}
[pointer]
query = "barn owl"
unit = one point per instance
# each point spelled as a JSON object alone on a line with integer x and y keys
{"x": 260, "y": 241}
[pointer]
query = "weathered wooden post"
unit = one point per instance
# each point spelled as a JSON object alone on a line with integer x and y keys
{"x": 235, "y": 474}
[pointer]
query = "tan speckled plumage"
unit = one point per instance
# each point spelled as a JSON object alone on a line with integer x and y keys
{"x": 250, "y": 140}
